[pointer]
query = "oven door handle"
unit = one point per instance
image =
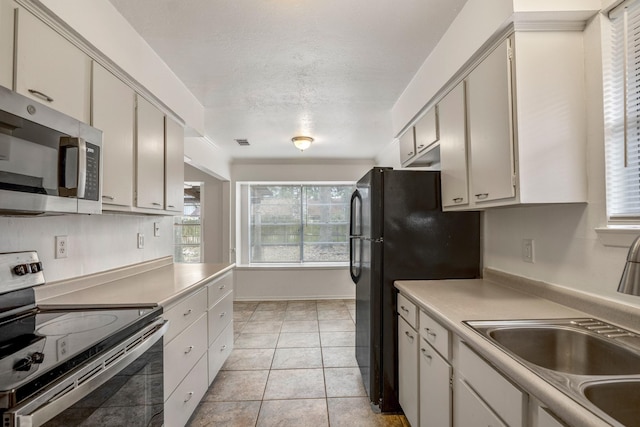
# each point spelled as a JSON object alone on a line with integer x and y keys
{"x": 62, "y": 394}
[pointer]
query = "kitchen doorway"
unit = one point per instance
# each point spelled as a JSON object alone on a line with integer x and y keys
{"x": 188, "y": 227}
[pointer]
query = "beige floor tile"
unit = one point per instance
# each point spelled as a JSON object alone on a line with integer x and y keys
{"x": 337, "y": 325}
{"x": 295, "y": 384}
{"x": 267, "y": 316}
{"x": 238, "y": 326}
{"x": 344, "y": 382}
{"x": 233, "y": 386}
{"x": 301, "y": 306}
{"x": 272, "y": 305}
{"x": 337, "y": 339}
{"x": 339, "y": 357}
{"x": 300, "y": 326}
{"x": 245, "y": 305}
{"x": 301, "y": 315}
{"x": 242, "y": 359}
{"x": 330, "y": 304}
{"x": 356, "y": 412}
{"x": 256, "y": 341}
{"x": 297, "y": 358}
{"x": 298, "y": 339}
{"x": 300, "y": 412}
{"x": 262, "y": 327}
{"x": 334, "y": 314}
{"x": 242, "y": 315}
{"x": 225, "y": 414}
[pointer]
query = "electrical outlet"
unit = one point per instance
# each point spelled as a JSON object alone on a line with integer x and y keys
{"x": 528, "y": 250}
{"x": 62, "y": 347}
{"x": 156, "y": 229}
{"x": 62, "y": 247}
{"x": 140, "y": 240}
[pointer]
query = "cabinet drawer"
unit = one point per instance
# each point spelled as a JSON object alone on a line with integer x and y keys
{"x": 184, "y": 313}
{"x": 219, "y": 288}
{"x": 220, "y": 350}
{"x": 436, "y": 335}
{"x": 408, "y": 310}
{"x": 470, "y": 410}
{"x": 220, "y": 315}
{"x": 181, "y": 354}
{"x": 184, "y": 400}
{"x": 505, "y": 399}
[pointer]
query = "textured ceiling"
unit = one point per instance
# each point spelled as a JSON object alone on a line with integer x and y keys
{"x": 268, "y": 70}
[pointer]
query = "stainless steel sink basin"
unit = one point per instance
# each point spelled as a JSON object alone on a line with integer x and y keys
{"x": 568, "y": 350}
{"x": 594, "y": 363}
{"x": 619, "y": 399}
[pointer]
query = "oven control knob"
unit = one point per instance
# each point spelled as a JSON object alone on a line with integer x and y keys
{"x": 26, "y": 363}
{"x": 36, "y": 267}
{"x": 22, "y": 269}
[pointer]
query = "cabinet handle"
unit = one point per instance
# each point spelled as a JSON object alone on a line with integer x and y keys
{"x": 188, "y": 350}
{"x": 224, "y": 313}
{"x": 426, "y": 355}
{"x": 420, "y": 147}
{"x": 108, "y": 197}
{"x": 156, "y": 204}
{"x": 41, "y": 95}
{"x": 189, "y": 396}
{"x": 430, "y": 332}
{"x": 223, "y": 348}
{"x": 482, "y": 195}
{"x": 222, "y": 287}
{"x": 457, "y": 200}
{"x": 188, "y": 312}
{"x": 411, "y": 337}
{"x": 403, "y": 308}
{"x": 410, "y": 153}
{"x": 170, "y": 206}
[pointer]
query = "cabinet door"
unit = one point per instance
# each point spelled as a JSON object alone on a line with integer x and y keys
{"x": 427, "y": 130}
{"x": 490, "y": 127}
{"x": 407, "y": 146}
{"x": 113, "y": 111}
{"x": 453, "y": 148}
{"x": 50, "y": 69}
{"x": 7, "y": 8}
{"x": 174, "y": 164}
{"x": 408, "y": 370}
{"x": 470, "y": 410}
{"x": 435, "y": 388}
{"x": 149, "y": 155}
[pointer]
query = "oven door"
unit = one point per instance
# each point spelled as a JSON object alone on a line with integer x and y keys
{"x": 123, "y": 386}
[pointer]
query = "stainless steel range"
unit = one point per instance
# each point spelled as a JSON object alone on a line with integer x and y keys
{"x": 75, "y": 366}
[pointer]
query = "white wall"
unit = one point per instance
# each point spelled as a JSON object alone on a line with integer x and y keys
{"x": 95, "y": 243}
{"x": 303, "y": 282}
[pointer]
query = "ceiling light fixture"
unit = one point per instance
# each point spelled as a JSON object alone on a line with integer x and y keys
{"x": 302, "y": 142}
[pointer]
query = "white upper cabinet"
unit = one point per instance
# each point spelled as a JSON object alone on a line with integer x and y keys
{"x": 50, "y": 69}
{"x": 113, "y": 111}
{"x": 7, "y": 8}
{"x": 174, "y": 165}
{"x": 453, "y": 148}
{"x": 407, "y": 146}
{"x": 426, "y": 130}
{"x": 489, "y": 113}
{"x": 149, "y": 155}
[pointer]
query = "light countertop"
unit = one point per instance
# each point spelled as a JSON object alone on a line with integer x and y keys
{"x": 157, "y": 285}
{"x": 452, "y": 301}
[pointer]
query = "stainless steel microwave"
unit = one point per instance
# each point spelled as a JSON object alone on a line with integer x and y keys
{"x": 50, "y": 163}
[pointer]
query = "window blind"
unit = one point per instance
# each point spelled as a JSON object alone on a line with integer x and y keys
{"x": 622, "y": 116}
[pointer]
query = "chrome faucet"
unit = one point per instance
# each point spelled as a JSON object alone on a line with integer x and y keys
{"x": 630, "y": 280}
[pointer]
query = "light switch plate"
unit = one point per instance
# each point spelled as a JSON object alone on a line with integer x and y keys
{"x": 140, "y": 241}
{"x": 528, "y": 250}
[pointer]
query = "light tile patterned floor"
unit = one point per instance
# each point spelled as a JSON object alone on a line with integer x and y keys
{"x": 293, "y": 365}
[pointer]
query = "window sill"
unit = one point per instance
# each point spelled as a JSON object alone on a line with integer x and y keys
{"x": 319, "y": 266}
{"x": 621, "y": 237}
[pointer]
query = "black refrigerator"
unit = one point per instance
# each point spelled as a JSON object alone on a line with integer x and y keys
{"x": 399, "y": 232}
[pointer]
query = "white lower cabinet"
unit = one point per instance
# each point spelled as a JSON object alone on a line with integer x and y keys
{"x": 219, "y": 351}
{"x": 435, "y": 388}
{"x": 471, "y": 410}
{"x": 220, "y": 322}
{"x": 185, "y": 398}
{"x": 408, "y": 341}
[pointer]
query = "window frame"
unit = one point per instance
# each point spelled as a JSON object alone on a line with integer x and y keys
{"x": 243, "y": 224}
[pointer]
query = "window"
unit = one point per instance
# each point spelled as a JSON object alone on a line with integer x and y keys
{"x": 622, "y": 116}
{"x": 298, "y": 223}
{"x": 188, "y": 227}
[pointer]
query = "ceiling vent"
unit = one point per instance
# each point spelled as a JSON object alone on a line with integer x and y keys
{"x": 242, "y": 142}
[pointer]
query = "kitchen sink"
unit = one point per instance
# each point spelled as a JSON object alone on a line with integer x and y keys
{"x": 619, "y": 399}
{"x": 593, "y": 362}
